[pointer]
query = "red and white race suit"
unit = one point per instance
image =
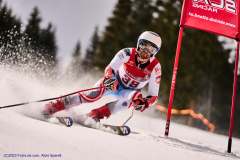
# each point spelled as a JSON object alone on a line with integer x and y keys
{"x": 133, "y": 77}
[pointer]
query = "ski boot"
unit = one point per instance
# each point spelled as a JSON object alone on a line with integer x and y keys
{"x": 94, "y": 116}
{"x": 52, "y": 107}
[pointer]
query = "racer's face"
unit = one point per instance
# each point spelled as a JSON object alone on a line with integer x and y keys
{"x": 143, "y": 56}
{"x": 145, "y": 52}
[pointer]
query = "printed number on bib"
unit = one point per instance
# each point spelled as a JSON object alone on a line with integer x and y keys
{"x": 129, "y": 82}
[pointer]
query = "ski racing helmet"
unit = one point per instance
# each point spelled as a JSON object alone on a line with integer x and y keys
{"x": 149, "y": 43}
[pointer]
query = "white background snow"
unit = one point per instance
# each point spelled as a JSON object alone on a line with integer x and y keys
{"x": 22, "y": 137}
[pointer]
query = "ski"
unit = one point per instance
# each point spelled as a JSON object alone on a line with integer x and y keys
{"x": 68, "y": 122}
{"x": 59, "y": 120}
{"x": 119, "y": 130}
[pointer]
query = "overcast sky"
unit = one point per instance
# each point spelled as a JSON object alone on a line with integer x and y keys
{"x": 63, "y": 13}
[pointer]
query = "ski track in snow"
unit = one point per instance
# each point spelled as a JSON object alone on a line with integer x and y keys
{"x": 22, "y": 136}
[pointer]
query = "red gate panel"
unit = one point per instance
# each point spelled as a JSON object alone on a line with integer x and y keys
{"x": 216, "y": 16}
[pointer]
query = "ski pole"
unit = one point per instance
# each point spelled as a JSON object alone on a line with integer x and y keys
{"x": 130, "y": 117}
{"x": 49, "y": 99}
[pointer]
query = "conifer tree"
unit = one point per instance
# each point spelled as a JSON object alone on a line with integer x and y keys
{"x": 114, "y": 37}
{"x": 165, "y": 23}
{"x": 33, "y": 28}
{"x": 10, "y": 34}
{"x": 42, "y": 40}
{"x": 91, "y": 51}
{"x": 75, "y": 66}
{"x": 140, "y": 20}
{"x": 48, "y": 43}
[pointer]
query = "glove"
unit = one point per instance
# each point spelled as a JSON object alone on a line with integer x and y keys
{"x": 140, "y": 104}
{"x": 111, "y": 84}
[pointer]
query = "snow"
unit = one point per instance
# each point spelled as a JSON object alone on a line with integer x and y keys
{"x": 22, "y": 137}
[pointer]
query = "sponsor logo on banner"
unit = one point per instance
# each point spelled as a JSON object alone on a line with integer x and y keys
{"x": 216, "y": 16}
{"x": 215, "y": 5}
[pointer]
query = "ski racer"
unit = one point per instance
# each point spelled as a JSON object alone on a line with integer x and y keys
{"x": 129, "y": 71}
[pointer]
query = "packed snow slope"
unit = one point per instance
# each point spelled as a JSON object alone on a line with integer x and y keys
{"x": 24, "y": 137}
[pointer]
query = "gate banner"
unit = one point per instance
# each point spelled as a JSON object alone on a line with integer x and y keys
{"x": 217, "y": 16}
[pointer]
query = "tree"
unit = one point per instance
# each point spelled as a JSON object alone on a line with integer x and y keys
{"x": 33, "y": 28}
{"x": 10, "y": 34}
{"x": 140, "y": 20}
{"x": 165, "y": 22}
{"x": 129, "y": 19}
{"x": 41, "y": 40}
{"x": 91, "y": 51}
{"x": 114, "y": 37}
{"x": 75, "y": 66}
{"x": 48, "y": 43}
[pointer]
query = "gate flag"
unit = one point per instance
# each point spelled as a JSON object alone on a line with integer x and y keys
{"x": 217, "y": 16}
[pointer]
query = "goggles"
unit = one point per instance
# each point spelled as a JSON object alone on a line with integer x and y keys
{"x": 148, "y": 48}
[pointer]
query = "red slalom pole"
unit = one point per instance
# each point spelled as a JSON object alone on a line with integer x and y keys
{"x": 175, "y": 69}
{"x": 233, "y": 100}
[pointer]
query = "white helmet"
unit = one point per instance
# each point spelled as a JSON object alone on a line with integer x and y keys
{"x": 150, "y": 37}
